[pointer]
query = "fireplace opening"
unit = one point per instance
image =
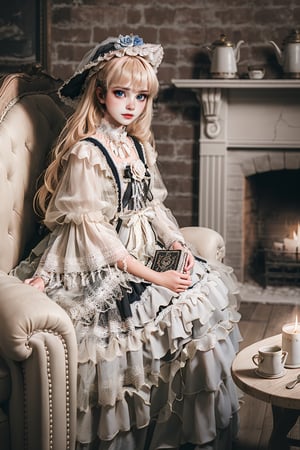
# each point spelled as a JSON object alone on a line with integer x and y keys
{"x": 271, "y": 221}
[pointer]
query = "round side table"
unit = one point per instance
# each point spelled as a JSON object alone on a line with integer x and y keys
{"x": 285, "y": 402}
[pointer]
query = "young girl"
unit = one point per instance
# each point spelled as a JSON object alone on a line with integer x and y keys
{"x": 154, "y": 348}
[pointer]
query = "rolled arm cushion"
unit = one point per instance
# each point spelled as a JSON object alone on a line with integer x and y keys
{"x": 205, "y": 242}
{"x": 38, "y": 343}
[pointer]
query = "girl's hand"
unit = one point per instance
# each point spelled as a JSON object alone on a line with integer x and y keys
{"x": 173, "y": 280}
{"x": 189, "y": 263}
{"x": 36, "y": 282}
{"x": 190, "y": 260}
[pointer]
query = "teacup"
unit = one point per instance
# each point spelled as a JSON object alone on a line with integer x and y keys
{"x": 256, "y": 72}
{"x": 270, "y": 360}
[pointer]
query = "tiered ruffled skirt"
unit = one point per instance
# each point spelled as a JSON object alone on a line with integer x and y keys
{"x": 161, "y": 377}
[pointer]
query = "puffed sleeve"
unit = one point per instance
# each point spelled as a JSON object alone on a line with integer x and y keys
{"x": 81, "y": 216}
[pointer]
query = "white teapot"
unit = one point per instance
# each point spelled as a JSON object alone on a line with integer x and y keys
{"x": 224, "y": 57}
{"x": 289, "y": 56}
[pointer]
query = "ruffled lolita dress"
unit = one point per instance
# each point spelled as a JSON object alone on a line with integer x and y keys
{"x": 154, "y": 366}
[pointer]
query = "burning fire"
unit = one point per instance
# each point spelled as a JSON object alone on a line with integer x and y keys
{"x": 296, "y": 234}
{"x": 291, "y": 246}
{"x": 296, "y": 324}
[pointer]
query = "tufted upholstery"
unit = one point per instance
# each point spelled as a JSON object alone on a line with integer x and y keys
{"x": 38, "y": 360}
{"x": 24, "y": 143}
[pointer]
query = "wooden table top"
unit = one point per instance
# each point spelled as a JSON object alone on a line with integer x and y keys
{"x": 271, "y": 390}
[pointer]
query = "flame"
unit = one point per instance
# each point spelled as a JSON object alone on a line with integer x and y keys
{"x": 296, "y": 234}
{"x": 296, "y": 324}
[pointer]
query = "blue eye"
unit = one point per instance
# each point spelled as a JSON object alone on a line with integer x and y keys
{"x": 141, "y": 97}
{"x": 119, "y": 93}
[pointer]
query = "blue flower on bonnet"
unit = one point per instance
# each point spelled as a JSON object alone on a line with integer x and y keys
{"x": 128, "y": 41}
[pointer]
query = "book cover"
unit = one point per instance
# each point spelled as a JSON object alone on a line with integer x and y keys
{"x": 168, "y": 260}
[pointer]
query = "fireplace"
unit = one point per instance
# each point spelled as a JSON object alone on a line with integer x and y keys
{"x": 270, "y": 217}
{"x": 249, "y": 153}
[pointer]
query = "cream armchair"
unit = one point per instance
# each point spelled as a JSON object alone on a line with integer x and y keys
{"x": 38, "y": 351}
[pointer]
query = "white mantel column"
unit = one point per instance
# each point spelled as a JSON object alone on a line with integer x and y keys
{"x": 212, "y": 158}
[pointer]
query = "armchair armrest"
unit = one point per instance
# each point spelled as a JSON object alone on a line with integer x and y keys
{"x": 38, "y": 344}
{"x": 205, "y": 242}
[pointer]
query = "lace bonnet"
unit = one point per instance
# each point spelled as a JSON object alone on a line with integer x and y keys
{"x": 72, "y": 89}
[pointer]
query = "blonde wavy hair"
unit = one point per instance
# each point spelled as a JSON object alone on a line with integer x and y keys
{"x": 125, "y": 71}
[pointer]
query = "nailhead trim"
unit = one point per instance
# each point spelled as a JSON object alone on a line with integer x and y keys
{"x": 25, "y": 403}
{"x": 27, "y": 344}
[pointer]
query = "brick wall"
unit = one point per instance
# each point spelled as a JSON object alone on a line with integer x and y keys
{"x": 182, "y": 27}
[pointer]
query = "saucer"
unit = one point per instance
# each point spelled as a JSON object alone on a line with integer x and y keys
{"x": 292, "y": 366}
{"x": 264, "y": 375}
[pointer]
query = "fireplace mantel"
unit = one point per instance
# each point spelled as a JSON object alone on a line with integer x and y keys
{"x": 239, "y": 114}
{"x": 211, "y": 93}
{"x": 237, "y": 83}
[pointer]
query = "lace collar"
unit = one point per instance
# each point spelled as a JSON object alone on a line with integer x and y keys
{"x": 116, "y": 139}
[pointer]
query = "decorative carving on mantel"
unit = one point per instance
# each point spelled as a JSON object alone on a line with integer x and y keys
{"x": 210, "y": 98}
{"x": 209, "y": 95}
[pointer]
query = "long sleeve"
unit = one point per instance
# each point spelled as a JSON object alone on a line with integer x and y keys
{"x": 81, "y": 217}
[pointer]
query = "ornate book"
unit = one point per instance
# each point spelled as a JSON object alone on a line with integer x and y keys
{"x": 169, "y": 260}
